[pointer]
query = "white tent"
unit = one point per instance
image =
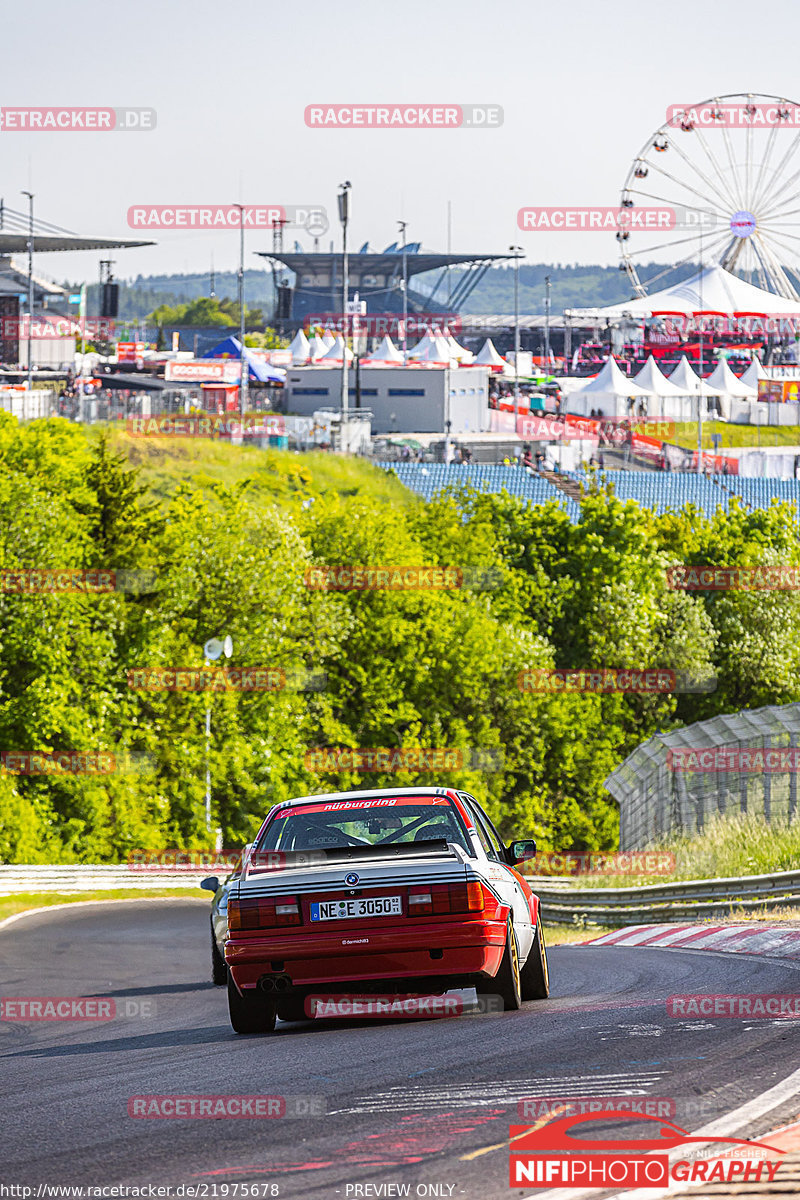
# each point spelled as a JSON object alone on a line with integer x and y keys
{"x": 611, "y": 382}
{"x": 711, "y": 290}
{"x": 459, "y": 353}
{"x": 610, "y": 387}
{"x": 317, "y": 349}
{"x": 689, "y": 382}
{"x": 435, "y": 351}
{"x": 487, "y": 356}
{"x": 426, "y": 343}
{"x": 387, "y": 354}
{"x": 334, "y": 355}
{"x": 724, "y": 379}
{"x": 654, "y": 380}
{"x": 328, "y": 338}
{"x": 299, "y": 348}
{"x": 753, "y": 373}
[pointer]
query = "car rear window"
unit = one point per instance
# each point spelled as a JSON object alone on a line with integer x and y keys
{"x": 367, "y": 822}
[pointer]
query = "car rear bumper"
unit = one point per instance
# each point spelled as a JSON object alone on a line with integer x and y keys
{"x": 456, "y": 951}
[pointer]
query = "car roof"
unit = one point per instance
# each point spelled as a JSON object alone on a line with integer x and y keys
{"x": 325, "y": 797}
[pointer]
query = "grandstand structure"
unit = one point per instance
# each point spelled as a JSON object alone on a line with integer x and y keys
{"x": 661, "y": 491}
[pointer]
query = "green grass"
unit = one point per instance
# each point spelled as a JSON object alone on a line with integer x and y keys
{"x": 728, "y": 847}
{"x": 735, "y": 435}
{"x": 24, "y": 900}
{"x": 281, "y": 476}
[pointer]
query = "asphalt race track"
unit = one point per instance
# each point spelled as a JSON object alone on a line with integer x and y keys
{"x": 404, "y": 1102}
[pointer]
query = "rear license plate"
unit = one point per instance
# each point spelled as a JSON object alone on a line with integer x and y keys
{"x": 338, "y": 910}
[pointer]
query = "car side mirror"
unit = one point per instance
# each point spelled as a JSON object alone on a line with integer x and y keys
{"x": 210, "y": 883}
{"x": 522, "y": 851}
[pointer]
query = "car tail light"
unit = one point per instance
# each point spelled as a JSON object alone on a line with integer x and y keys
{"x": 445, "y": 898}
{"x": 263, "y": 912}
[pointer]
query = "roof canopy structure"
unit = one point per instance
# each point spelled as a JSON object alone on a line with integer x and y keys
{"x": 17, "y": 243}
{"x": 711, "y": 290}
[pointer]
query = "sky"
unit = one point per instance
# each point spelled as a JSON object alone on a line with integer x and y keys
{"x": 582, "y": 86}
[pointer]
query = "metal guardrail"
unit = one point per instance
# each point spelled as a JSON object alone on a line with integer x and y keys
{"x": 18, "y": 878}
{"x": 566, "y": 903}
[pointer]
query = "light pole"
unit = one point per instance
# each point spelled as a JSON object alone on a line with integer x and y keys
{"x": 516, "y": 251}
{"x": 700, "y": 363}
{"x": 344, "y": 216}
{"x": 30, "y": 285}
{"x": 547, "y": 323}
{"x": 403, "y": 225}
{"x": 211, "y": 652}
{"x": 243, "y": 369}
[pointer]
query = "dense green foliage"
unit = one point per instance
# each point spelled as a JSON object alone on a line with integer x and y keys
{"x": 405, "y": 668}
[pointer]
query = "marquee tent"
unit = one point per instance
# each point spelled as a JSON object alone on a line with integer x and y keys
{"x": 690, "y": 383}
{"x": 487, "y": 356}
{"x": 299, "y": 348}
{"x": 610, "y": 387}
{"x": 459, "y": 353}
{"x": 386, "y": 355}
{"x": 317, "y": 348}
{"x": 753, "y": 373}
{"x": 259, "y": 370}
{"x": 334, "y": 355}
{"x": 654, "y": 380}
{"x": 724, "y": 379}
{"x": 712, "y": 289}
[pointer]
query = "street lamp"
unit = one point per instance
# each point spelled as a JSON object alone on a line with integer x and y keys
{"x": 547, "y": 324}
{"x": 403, "y": 225}
{"x": 344, "y": 216}
{"x": 30, "y": 286}
{"x": 243, "y": 371}
{"x": 516, "y": 251}
{"x": 212, "y": 650}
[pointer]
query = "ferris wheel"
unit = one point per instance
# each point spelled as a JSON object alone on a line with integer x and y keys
{"x": 729, "y": 167}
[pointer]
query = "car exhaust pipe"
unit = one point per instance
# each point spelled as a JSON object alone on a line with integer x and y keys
{"x": 275, "y": 983}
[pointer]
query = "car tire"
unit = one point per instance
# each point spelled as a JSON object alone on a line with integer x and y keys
{"x": 507, "y": 982}
{"x": 219, "y": 969}
{"x": 250, "y": 1013}
{"x": 534, "y": 976}
{"x": 292, "y": 1009}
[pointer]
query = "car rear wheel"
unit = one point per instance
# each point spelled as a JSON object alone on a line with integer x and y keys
{"x": 250, "y": 1013}
{"x": 506, "y": 982}
{"x": 219, "y": 969}
{"x": 292, "y": 1009}
{"x": 534, "y": 976}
